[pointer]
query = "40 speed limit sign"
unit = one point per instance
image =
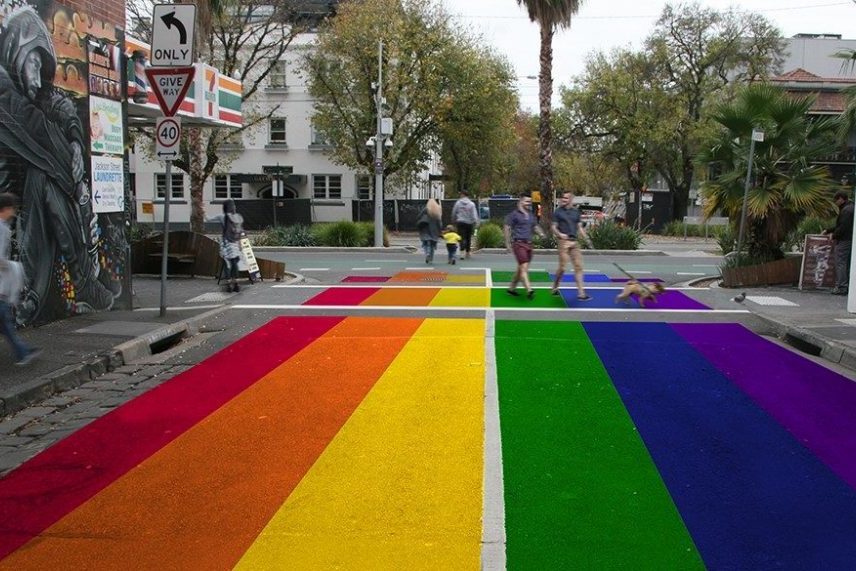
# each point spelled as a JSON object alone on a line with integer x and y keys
{"x": 167, "y": 136}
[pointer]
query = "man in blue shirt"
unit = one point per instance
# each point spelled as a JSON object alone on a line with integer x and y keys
{"x": 519, "y": 226}
{"x": 567, "y": 229}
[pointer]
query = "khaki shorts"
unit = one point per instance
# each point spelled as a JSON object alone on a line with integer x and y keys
{"x": 570, "y": 251}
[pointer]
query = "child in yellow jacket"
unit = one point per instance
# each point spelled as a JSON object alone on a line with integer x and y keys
{"x": 452, "y": 239}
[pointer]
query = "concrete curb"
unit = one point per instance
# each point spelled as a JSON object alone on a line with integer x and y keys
{"x": 795, "y": 336}
{"x": 585, "y": 252}
{"x": 71, "y": 376}
{"x": 322, "y": 249}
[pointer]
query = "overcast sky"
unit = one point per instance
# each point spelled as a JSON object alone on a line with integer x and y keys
{"x": 619, "y": 23}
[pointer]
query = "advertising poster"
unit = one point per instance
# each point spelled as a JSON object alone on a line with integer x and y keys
{"x": 105, "y": 126}
{"x": 108, "y": 184}
{"x": 818, "y": 265}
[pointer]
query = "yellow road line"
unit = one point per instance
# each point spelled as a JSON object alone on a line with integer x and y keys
{"x": 401, "y": 484}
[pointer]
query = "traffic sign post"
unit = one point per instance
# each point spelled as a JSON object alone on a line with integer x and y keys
{"x": 172, "y": 71}
{"x": 172, "y": 35}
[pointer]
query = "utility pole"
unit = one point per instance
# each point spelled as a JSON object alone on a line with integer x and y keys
{"x": 757, "y": 135}
{"x": 378, "y": 164}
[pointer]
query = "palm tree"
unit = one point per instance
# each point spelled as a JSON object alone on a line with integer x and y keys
{"x": 787, "y": 183}
{"x": 550, "y": 15}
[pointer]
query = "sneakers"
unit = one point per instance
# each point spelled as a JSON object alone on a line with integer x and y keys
{"x": 453, "y": 261}
{"x": 530, "y": 294}
{"x": 236, "y": 288}
{"x": 584, "y": 297}
{"x": 838, "y": 291}
{"x": 512, "y": 292}
{"x": 29, "y": 357}
{"x": 555, "y": 291}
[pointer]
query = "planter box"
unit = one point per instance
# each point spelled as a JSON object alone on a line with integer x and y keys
{"x": 780, "y": 272}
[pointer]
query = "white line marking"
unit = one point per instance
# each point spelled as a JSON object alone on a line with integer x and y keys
{"x": 488, "y": 277}
{"x": 363, "y": 269}
{"x": 383, "y": 308}
{"x": 493, "y": 508}
{"x": 689, "y": 273}
{"x": 384, "y": 261}
{"x": 180, "y": 308}
{"x": 314, "y": 270}
{"x": 422, "y": 269}
{"x": 705, "y": 266}
{"x": 638, "y": 272}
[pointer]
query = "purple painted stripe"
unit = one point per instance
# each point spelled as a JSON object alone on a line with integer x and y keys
{"x": 816, "y": 405}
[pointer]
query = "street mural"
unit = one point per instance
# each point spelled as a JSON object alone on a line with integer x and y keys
{"x": 62, "y": 151}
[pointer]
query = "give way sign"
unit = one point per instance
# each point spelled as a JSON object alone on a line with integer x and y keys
{"x": 170, "y": 85}
{"x": 167, "y": 136}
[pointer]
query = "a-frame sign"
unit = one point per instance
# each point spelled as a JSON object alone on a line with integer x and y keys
{"x": 170, "y": 85}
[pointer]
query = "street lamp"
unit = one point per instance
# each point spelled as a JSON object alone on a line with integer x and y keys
{"x": 379, "y": 142}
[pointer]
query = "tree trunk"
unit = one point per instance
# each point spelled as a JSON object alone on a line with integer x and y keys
{"x": 680, "y": 202}
{"x": 545, "y": 133}
{"x": 197, "y": 179}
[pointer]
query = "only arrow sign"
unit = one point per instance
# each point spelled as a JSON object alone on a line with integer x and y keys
{"x": 170, "y": 20}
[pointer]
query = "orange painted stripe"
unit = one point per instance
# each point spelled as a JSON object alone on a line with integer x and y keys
{"x": 402, "y": 296}
{"x": 200, "y": 502}
{"x": 230, "y": 84}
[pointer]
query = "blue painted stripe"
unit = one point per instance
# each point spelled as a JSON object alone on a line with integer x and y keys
{"x": 750, "y": 494}
{"x": 587, "y": 278}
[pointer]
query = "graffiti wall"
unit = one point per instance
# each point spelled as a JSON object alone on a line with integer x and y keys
{"x": 63, "y": 152}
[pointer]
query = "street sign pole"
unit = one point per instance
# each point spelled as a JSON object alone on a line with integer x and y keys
{"x": 164, "y": 259}
{"x": 757, "y": 135}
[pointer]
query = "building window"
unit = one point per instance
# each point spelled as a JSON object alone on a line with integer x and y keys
{"x": 177, "y": 186}
{"x": 226, "y": 186}
{"x": 364, "y": 187}
{"x": 277, "y": 131}
{"x": 277, "y": 75}
{"x": 327, "y": 185}
{"x": 319, "y": 138}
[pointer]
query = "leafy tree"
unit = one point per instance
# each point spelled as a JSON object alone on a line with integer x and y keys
{"x": 550, "y": 16}
{"x": 476, "y": 119}
{"x": 522, "y": 167}
{"x": 700, "y": 54}
{"x": 419, "y": 77}
{"x": 786, "y": 183}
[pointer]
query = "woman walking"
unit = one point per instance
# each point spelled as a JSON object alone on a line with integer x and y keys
{"x": 430, "y": 227}
{"x": 230, "y": 244}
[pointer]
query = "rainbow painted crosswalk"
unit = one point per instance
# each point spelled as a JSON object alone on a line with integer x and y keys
{"x": 359, "y": 442}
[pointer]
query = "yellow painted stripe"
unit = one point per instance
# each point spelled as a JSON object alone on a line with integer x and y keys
{"x": 400, "y": 487}
{"x": 462, "y": 297}
{"x": 465, "y": 279}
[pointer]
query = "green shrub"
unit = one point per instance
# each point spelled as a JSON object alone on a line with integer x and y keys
{"x": 809, "y": 225}
{"x": 297, "y": 235}
{"x": 139, "y": 231}
{"x": 342, "y": 234}
{"x": 367, "y": 234}
{"x": 726, "y": 239}
{"x": 547, "y": 242}
{"x": 611, "y": 236}
{"x": 490, "y": 236}
{"x": 676, "y": 228}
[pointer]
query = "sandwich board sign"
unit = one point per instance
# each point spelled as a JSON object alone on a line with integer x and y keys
{"x": 172, "y": 35}
{"x": 170, "y": 85}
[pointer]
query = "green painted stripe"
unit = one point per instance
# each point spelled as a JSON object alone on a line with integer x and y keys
{"x": 502, "y": 277}
{"x": 581, "y": 491}
{"x": 230, "y": 100}
{"x": 543, "y": 298}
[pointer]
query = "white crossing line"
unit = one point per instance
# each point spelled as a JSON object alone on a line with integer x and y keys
{"x": 689, "y": 273}
{"x": 771, "y": 300}
{"x": 387, "y": 308}
{"x": 363, "y": 269}
{"x": 705, "y": 266}
{"x": 493, "y": 515}
{"x": 604, "y": 285}
{"x": 488, "y": 277}
{"x": 383, "y": 261}
{"x": 851, "y": 322}
{"x": 422, "y": 269}
{"x": 629, "y": 271}
{"x": 314, "y": 270}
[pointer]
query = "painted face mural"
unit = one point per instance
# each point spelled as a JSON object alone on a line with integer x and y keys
{"x": 73, "y": 252}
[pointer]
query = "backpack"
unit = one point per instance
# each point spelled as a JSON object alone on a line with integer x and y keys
{"x": 233, "y": 227}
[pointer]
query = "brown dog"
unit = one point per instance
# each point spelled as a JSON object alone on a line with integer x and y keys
{"x": 644, "y": 292}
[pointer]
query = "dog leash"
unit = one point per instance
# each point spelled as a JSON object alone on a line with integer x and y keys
{"x": 632, "y": 277}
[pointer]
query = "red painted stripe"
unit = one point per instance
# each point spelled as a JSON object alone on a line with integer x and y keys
{"x": 232, "y": 117}
{"x": 342, "y": 296}
{"x": 61, "y": 478}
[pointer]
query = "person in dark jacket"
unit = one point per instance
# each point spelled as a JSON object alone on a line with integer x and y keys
{"x": 842, "y": 235}
{"x": 430, "y": 227}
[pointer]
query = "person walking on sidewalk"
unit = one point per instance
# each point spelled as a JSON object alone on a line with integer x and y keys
{"x": 567, "y": 229}
{"x": 519, "y": 226}
{"x": 451, "y": 238}
{"x": 11, "y": 283}
{"x": 429, "y": 226}
{"x": 232, "y": 225}
{"x": 842, "y": 235}
{"x": 466, "y": 217}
